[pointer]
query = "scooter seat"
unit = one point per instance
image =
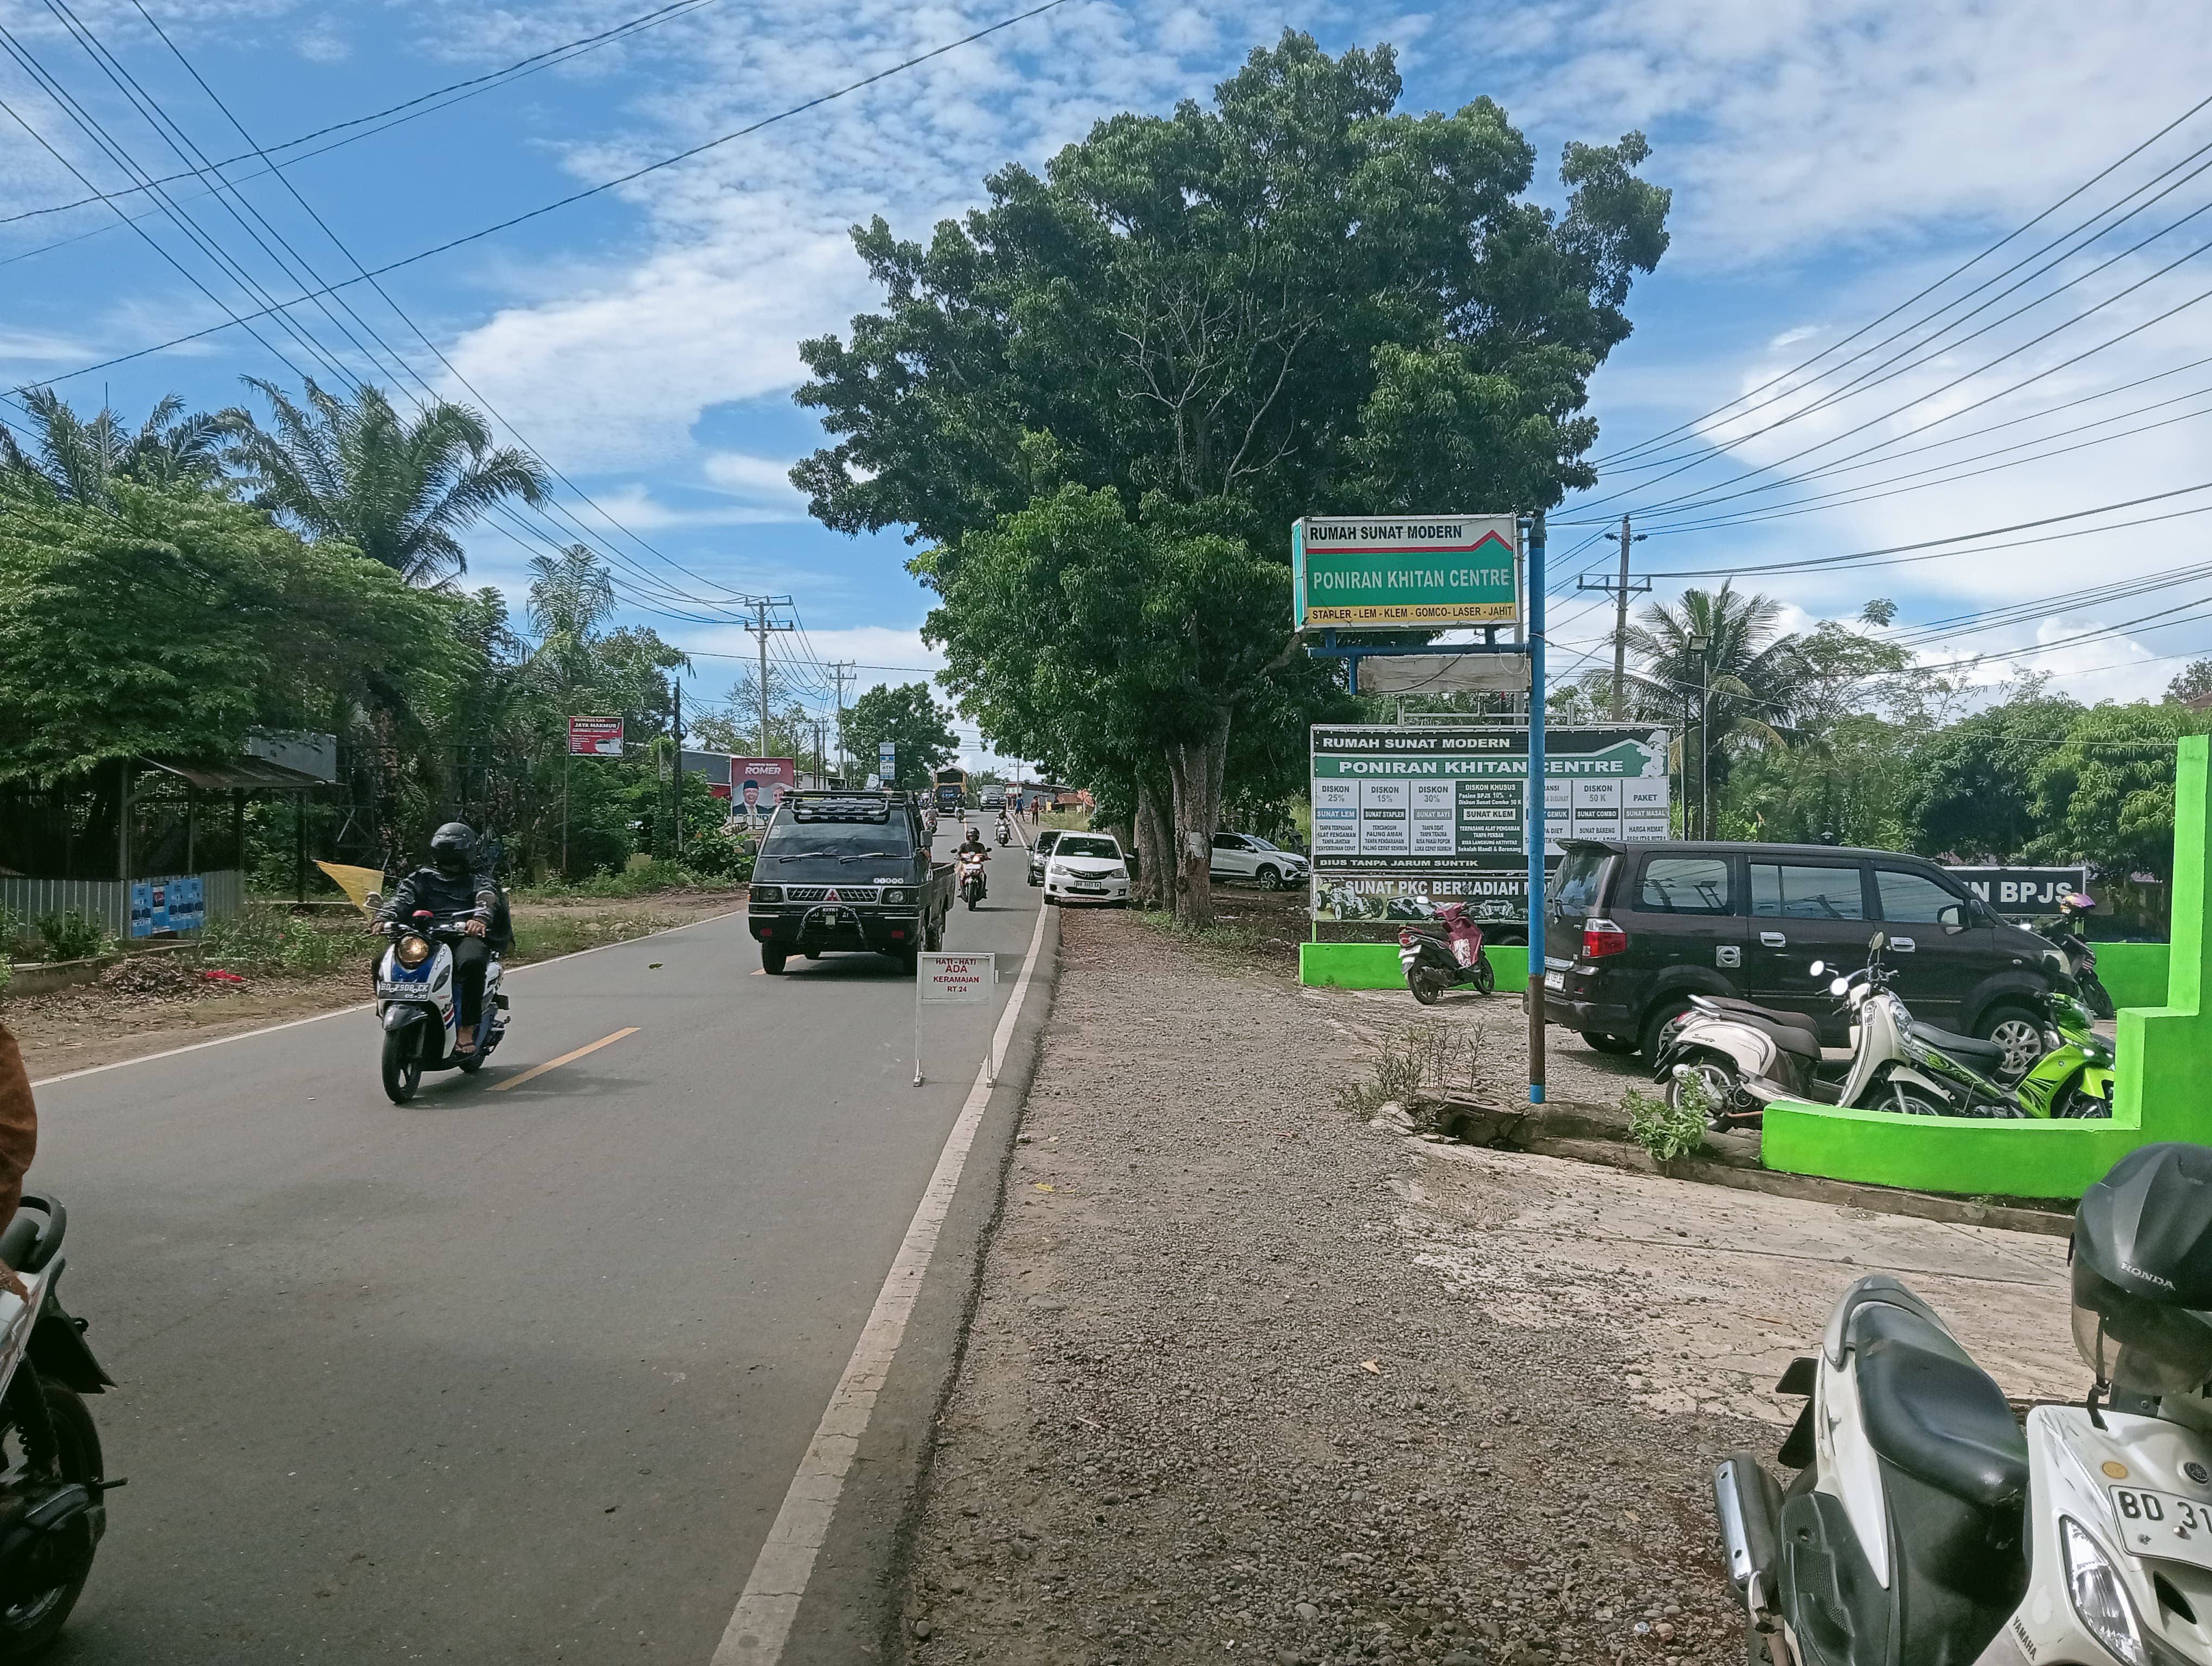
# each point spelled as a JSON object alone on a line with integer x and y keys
{"x": 1932, "y": 1412}
{"x": 1793, "y": 1032}
{"x": 1958, "y": 1046}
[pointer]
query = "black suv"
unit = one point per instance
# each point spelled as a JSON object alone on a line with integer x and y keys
{"x": 1632, "y": 930}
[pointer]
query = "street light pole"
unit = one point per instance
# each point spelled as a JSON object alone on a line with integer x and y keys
{"x": 1701, "y": 646}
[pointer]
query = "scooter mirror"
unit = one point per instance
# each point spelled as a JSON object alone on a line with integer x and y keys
{"x": 1819, "y": 966}
{"x": 1839, "y": 986}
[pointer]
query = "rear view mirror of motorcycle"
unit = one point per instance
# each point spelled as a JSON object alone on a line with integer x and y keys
{"x": 1840, "y": 985}
{"x": 1818, "y": 967}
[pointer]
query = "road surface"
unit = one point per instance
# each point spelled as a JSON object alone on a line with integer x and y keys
{"x": 520, "y": 1374}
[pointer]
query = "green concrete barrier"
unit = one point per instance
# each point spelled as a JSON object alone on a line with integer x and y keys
{"x": 2134, "y": 974}
{"x": 1375, "y": 966}
{"x": 2163, "y": 1067}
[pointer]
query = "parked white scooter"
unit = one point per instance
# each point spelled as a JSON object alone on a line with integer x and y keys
{"x": 1924, "y": 1526}
{"x": 416, "y": 1003}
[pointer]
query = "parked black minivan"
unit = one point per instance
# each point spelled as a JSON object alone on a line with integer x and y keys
{"x": 1632, "y": 930}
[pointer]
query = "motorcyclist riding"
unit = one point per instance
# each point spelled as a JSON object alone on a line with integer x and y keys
{"x": 452, "y": 888}
{"x": 973, "y": 847}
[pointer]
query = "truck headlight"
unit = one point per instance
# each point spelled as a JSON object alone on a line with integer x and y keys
{"x": 895, "y": 897}
{"x": 768, "y": 893}
{"x": 2100, "y": 1599}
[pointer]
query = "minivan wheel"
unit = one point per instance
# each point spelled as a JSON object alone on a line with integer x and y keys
{"x": 1609, "y": 1043}
{"x": 1666, "y": 1011}
{"x": 2020, "y": 1033}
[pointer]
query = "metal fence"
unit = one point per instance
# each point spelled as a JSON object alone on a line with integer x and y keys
{"x": 107, "y": 901}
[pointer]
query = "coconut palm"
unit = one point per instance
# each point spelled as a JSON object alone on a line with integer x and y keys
{"x": 1722, "y": 652}
{"x": 398, "y": 491}
{"x": 77, "y": 460}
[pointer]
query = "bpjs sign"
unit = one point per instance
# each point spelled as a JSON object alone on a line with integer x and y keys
{"x": 2021, "y": 892}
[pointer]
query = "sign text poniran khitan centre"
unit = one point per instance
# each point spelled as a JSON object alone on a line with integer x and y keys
{"x": 1379, "y": 572}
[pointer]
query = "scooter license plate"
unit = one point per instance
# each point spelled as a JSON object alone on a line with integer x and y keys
{"x": 1555, "y": 980}
{"x": 2164, "y": 1524}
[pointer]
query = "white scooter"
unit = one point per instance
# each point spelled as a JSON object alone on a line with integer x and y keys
{"x": 1925, "y": 1526}
{"x": 1745, "y": 1056}
{"x": 414, "y": 1002}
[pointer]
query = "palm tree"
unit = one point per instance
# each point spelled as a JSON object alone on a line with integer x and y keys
{"x": 399, "y": 491}
{"x": 570, "y": 595}
{"x": 1721, "y": 654}
{"x": 78, "y": 461}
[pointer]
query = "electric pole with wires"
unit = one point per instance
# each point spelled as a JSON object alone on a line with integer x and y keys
{"x": 762, "y": 629}
{"x": 1620, "y": 589}
{"x": 841, "y": 671}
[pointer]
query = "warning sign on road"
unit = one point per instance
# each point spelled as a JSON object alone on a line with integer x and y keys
{"x": 953, "y": 977}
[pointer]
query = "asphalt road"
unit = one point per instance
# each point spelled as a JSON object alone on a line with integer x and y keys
{"x": 513, "y": 1375}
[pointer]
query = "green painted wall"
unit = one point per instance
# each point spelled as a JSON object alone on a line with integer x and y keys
{"x": 1375, "y": 965}
{"x": 2134, "y": 974}
{"x": 2164, "y": 1068}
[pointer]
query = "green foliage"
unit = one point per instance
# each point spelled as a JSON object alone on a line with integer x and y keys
{"x": 263, "y": 941}
{"x": 1846, "y": 785}
{"x": 2104, "y": 795}
{"x": 1972, "y": 791}
{"x": 354, "y": 470}
{"x": 75, "y": 460}
{"x": 69, "y": 935}
{"x": 910, "y": 717}
{"x": 172, "y": 623}
{"x": 2194, "y": 682}
{"x": 1669, "y": 1131}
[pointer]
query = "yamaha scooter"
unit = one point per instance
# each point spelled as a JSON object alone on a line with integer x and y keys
{"x": 416, "y": 1003}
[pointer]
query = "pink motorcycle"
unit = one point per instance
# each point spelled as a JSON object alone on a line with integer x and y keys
{"x": 1432, "y": 967}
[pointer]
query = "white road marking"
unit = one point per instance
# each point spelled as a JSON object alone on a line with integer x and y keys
{"x": 762, "y": 1624}
{"x": 362, "y": 1007}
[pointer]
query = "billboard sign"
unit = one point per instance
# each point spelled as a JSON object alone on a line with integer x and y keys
{"x": 167, "y": 905}
{"x": 1407, "y": 820}
{"x": 1406, "y": 572}
{"x": 2021, "y": 893}
{"x": 595, "y": 737}
{"x": 887, "y": 760}
{"x": 757, "y": 784}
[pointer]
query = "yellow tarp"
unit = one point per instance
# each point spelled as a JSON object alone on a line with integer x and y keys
{"x": 356, "y": 882}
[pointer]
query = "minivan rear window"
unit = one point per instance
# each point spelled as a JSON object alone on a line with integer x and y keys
{"x": 1576, "y": 885}
{"x": 1686, "y": 884}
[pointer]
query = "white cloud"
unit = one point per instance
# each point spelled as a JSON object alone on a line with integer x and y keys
{"x": 744, "y": 475}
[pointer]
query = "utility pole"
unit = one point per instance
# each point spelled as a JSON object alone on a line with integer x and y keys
{"x": 842, "y": 673}
{"x": 678, "y": 682}
{"x": 1620, "y": 589}
{"x": 762, "y": 630}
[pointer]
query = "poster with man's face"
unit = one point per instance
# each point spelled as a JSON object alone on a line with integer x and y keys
{"x": 761, "y": 782}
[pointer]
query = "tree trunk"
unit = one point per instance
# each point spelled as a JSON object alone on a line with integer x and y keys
{"x": 1195, "y": 768}
{"x": 1155, "y": 845}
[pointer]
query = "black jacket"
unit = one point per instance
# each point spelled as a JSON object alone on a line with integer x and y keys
{"x": 477, "y": 896}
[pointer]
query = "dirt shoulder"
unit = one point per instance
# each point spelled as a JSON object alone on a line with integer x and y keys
{"x": 1248, "y": 1375}
{"x": 143, "y": 1007}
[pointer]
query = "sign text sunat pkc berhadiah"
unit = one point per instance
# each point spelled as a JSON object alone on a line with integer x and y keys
{"x": 1411, "y": 571}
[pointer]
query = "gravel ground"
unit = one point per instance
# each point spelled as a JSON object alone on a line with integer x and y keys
{"x": 1251, "y": 1377}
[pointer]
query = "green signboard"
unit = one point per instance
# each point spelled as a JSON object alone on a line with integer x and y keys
{"x": 1425, "y": 572}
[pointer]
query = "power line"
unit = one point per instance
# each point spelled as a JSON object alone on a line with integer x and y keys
{"x": 579, "y": 196}
{"x": 486, "y": 83}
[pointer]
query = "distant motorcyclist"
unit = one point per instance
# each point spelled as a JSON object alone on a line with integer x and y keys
{"x": 1005, "y": 830}
{"x": 973, "y": 845}
{"x": 456, "y": 886}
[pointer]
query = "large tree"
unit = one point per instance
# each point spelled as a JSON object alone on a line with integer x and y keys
{"x": 908, "y": 716}
{"x": 78, "y": 459}
{"x": 399, "y": 491}
{"x": 1296, "y": 301}
{"x": 1972, "y": 791}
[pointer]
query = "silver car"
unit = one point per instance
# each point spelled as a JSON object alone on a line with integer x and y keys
{"x": 1248, "y": 856}
{"x": 1039, "y": 851}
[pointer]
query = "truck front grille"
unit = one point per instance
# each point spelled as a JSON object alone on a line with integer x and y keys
{"x": 821, "y": 893}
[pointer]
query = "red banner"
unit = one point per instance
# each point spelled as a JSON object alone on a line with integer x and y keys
{"x": 759, "y": 783}
{"x": 595, "y": 737}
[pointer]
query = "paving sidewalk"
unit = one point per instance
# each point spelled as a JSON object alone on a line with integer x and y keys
{"x": 1251, "y": 1379}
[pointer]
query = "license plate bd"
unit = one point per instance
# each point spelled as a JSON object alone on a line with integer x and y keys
{"x": 2164, "y": 1524}
{"x": 1100, "y": 889}
{"x": 1555, "y": 980}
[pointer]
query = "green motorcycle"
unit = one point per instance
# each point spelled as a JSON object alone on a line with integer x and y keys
{"x": 2074, "y": 1077}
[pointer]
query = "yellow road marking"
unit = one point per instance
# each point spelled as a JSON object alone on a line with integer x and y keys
{"x": 538, "y": 1070}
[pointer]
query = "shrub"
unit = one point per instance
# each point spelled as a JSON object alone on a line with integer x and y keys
{"x": 69, "y": 936}
{"x": 264, "y": 942}
{"x": 1668, "y": 1130}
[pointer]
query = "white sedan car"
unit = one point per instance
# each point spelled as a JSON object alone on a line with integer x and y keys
{"x": 1248, "y": 856}
{"x": 1087, "y": 867}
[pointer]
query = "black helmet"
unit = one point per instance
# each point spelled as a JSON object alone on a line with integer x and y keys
{"x": 453, "y": 851}
{"x": 2142, "y": 1271}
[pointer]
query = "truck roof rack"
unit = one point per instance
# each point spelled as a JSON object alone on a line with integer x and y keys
{"x": 843, "y": 806}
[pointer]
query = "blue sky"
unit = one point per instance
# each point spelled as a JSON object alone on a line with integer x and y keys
{"x": 1828, "y": 160}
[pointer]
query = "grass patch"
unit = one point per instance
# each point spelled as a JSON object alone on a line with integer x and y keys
{"x": 266, "y": 941}
{"x": 645, "y": 880}
{"x": 543, "y": 939}
{"x": 1240, "y": 937}
{"x": 1669, "y": 1131}
{"x": 1427, "y": 1058}
{"x": 69, "y": 935}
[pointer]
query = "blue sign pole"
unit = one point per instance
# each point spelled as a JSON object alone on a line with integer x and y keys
{"x": 1536, "y": 815}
